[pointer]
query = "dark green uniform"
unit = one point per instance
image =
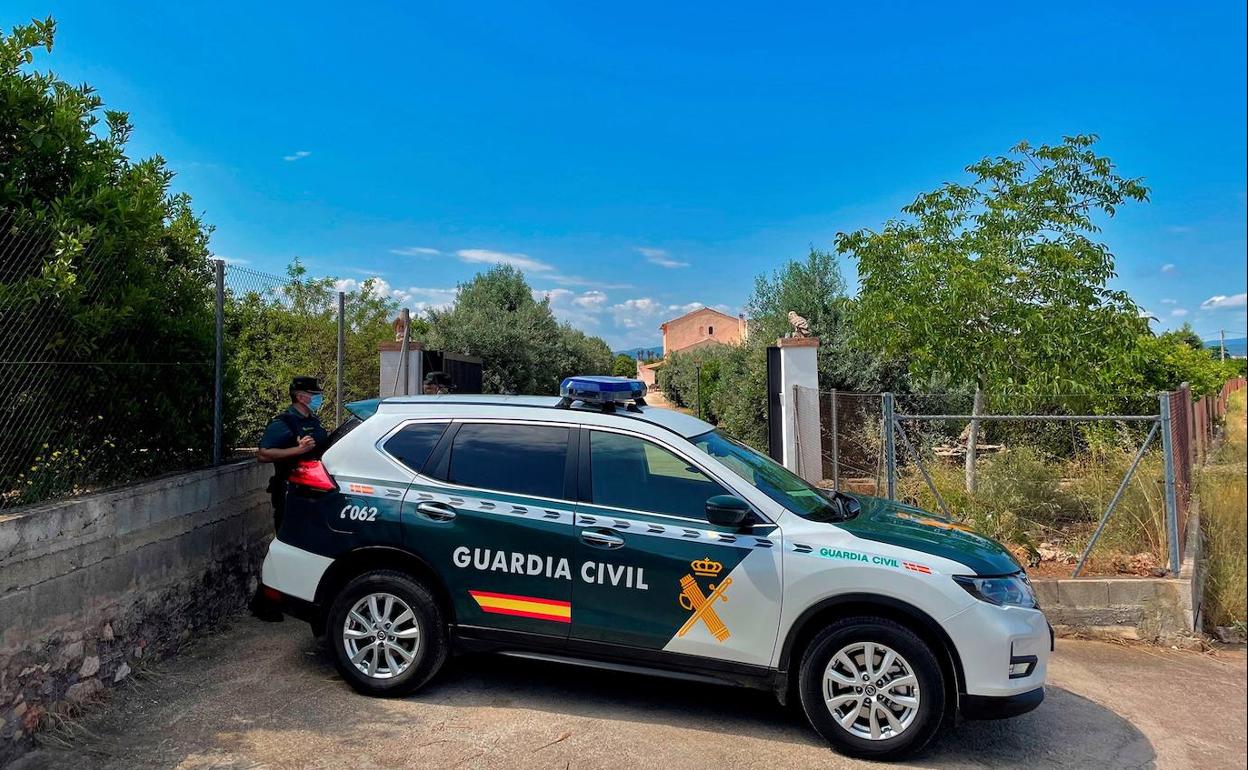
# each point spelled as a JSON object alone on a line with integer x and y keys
{"x": 284, "y": 432}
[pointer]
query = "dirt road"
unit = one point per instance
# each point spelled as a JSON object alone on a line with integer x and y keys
{"x": 261, "y": 696}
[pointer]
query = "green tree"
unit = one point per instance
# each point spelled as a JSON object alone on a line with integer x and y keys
{"x": 814, "y": 288}
{"x": 997, "y": 283}
{"x": 624, "y": 366}
{"x": 523, "y": 348}
{"x": 103, "y": 268}
{"x": 1170, "y": 359}
{"x": 275, "y": 332}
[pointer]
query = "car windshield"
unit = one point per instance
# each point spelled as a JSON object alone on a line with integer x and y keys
{"x": 771, "y": 478}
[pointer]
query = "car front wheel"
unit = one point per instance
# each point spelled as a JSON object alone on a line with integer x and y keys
{"x": 872, "y": 688}
{"x": 387, "y": 633}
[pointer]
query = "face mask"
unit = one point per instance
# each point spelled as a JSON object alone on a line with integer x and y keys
{"x": 315, "y": 403}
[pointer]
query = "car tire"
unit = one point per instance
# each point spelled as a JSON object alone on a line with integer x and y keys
{"x": 846, "y": 699}
{"x": 386, "y": 633}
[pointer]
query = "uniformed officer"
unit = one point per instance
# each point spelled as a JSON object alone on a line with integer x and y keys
{"x": 295, "y": 434}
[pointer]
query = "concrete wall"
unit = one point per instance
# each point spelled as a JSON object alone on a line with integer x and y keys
{"x": 93, "y": 587}
{"x": 391, "y": 381}
{"x": 1165, "y": 610}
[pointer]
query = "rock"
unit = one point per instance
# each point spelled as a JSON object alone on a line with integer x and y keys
{"x": 123, "y": 671}
{"x": 32, "y": 719}
{"x": 20, "y": 709}
{"x": 69, "y": 654}
{"x": 90, "y": 666}
{"x": 1228, "y": 635}
{"x": 84, "y": 690}
{"x": 107, "y": 633}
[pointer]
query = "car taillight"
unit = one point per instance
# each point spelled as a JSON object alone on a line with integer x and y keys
{"x": 311, "y": 474}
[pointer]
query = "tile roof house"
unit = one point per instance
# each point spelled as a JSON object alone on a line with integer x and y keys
{"x": 695, "y": 329}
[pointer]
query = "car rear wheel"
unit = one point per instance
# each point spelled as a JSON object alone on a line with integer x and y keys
{"x": 387, "y": 633}
{"x": 872, "y": 688}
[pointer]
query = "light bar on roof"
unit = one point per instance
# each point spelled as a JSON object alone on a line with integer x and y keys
{"x": 603, "y": 391}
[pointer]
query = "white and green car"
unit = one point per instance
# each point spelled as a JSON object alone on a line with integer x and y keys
{"x": 597, "y": 530}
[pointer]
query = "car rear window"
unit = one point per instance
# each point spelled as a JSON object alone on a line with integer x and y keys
{"x": 522, "y": 459}
{"x": 412, "y": 445}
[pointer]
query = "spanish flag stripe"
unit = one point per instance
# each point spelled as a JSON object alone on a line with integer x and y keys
{"x": 491, "y": 595}
{"x": 523, "y": 606}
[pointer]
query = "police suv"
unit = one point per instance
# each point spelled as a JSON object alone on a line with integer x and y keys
{"x": 594, "y": 529}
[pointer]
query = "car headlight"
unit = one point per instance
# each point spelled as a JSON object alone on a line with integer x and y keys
{"x": 1008, "y": 591}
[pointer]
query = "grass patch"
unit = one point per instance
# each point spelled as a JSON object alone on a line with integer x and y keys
{"x": 1223, "y": 491}
{"x": 1025, "y": 498}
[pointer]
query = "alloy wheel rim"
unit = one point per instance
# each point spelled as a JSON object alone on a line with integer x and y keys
{"x": 871, "y": 691}
{"x": 381, "y": 636}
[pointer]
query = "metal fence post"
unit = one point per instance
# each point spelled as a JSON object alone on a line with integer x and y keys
{"x": 218, "y": 371}
{"x": 890, "y": 448}
{"x": 403, "y": 349}
{"x": 836, "y": 457}
{"x": 1172, "y": 501}
{"x": 342, "y": 355}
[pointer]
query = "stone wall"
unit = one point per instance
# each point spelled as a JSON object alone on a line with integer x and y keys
{"x": 94, "y": 587}
{"x": 1163, "y": 610}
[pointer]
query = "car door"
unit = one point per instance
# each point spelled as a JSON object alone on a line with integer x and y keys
{"x": 491, "y": 511}
{"x": 653, "y": 574}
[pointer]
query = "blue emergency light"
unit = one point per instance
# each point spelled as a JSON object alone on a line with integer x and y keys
{"x": 601, "y": 391}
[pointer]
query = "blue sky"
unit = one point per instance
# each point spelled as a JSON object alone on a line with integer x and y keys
{"x": 638, "y": 159}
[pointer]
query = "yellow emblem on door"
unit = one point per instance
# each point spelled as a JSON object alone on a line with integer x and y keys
{"x": 703, "y": 605}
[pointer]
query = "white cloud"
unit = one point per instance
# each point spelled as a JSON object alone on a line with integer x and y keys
{"x": 1222, "y": 301}
{"x": 1168, "y": 267}
{"x": 415, "y": 298}
{"x": 660, "y": 257}
{"x": 231, "y": 260}
{"x": 415, "y": 251}
{"x": 592, "y": 299}
{"x": 489, "y": 257}
{"x": 1169, "y": 302}
{"x": 554, "y": 295}
{"x": 1178, "y": 312}
{"x": 297, "y": 155}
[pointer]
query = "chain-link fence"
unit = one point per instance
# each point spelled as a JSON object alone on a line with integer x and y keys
{"x": 75, "y": 350}
{"x": 107, "y": 377}
{"x": 1068, "y": 480}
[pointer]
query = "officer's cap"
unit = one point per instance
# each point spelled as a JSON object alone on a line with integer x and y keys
{"x": 305, "y": 384}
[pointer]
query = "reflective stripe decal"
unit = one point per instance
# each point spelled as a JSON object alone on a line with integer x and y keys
{"x": 524, "y": 606}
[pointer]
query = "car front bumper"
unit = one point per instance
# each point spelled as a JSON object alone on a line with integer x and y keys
{"x": 1002, "y": 707}
{"x": 1004, "y": 653}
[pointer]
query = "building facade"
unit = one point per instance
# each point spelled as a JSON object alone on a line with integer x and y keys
{"x": 695, "y": 329}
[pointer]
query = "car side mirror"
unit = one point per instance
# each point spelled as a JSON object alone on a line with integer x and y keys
{"x": 727, "y": 511}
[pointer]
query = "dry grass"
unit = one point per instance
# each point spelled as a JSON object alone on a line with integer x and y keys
{"x": 1025, "y": 498}
{"x": 1223, "y": 491}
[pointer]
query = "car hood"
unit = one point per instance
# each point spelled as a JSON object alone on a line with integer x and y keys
{"x": 885, "y": 521}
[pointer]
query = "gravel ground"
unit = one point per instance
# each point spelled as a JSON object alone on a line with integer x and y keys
{"x": 266, "y": 696}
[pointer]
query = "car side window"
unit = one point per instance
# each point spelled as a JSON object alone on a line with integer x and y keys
{"x": 522, "y": 459}
{"x": 412, "y": 445}
{"x": 629, "y": 472}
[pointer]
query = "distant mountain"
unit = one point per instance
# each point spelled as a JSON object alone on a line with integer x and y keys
{"x": 1235, "y": 346}
{"x": 654, "y": 352}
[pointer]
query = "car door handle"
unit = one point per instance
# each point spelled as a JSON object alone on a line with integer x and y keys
{"x": 601, "y": 539}
{"x": 436, "y": 511}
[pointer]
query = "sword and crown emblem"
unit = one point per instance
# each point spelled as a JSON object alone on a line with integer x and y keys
{"x": 703, "y": 605}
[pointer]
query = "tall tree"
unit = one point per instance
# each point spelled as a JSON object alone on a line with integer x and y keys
{"x": 523, "y": 348}
{"x": 105, "y": 292}
{"x": 814, "y": 288}
{"x": 998, "y": 283}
